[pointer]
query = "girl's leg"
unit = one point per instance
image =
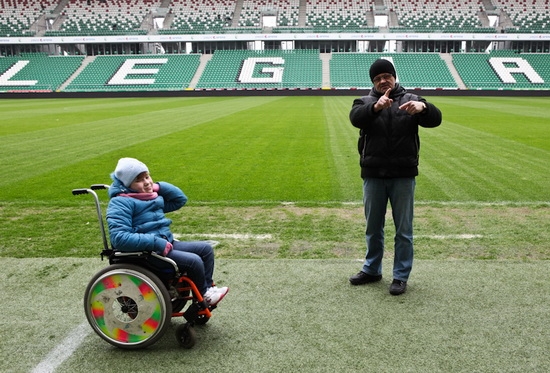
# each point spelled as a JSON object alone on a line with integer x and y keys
{"x": 204, "y": 251}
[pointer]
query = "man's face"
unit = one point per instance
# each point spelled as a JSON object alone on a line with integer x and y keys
{"x": 383, "y": 82}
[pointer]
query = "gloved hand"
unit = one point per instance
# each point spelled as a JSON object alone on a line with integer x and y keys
{"x": 167, "y": 249}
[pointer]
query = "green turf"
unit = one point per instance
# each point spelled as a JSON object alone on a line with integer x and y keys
{"x": 258, "y": 149}
{"x": 301, "y": 315}
{"x": 488, "y": 149}
{"x": 243, "y": 160}
{"x": 283, "y": 171}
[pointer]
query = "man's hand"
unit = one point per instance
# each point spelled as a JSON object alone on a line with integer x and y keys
{"x": 413, "y": 107}
{"x": 383, "y": 102}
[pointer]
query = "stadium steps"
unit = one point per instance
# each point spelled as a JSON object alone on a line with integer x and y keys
{"x": 237, "y": 14}
{"x": 85, "y": 63}
{"x": 204, "y": 60}
{"x": 325, "y": 58}
{"x": 302, "y": 14}
{"x": 448, "y": 58}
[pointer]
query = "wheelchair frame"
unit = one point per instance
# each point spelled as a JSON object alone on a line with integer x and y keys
{"x": 130, "y": 302}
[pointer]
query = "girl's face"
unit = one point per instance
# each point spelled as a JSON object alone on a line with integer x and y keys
{"x": 143, "y": 183}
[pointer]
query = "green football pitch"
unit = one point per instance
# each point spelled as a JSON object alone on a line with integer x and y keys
{"x": 276, "y": 181}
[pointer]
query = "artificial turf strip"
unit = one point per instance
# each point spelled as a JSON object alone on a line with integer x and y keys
{"x": 303, "y": 316}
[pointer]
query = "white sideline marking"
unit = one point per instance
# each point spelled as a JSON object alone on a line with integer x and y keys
{"x": 450, "y": 236}
{"x": 236, "y": 236}
{"x": 63, "y": 350}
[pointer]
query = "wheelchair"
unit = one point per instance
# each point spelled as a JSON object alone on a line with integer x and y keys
{"x": 130, "y": 302}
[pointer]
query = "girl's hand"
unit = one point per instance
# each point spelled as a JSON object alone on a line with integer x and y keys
{"x": 167, "y": 249}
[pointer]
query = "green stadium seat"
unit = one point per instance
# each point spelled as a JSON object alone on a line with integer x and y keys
{"x": 40, "y": 72}
{"x": 173, "y": 73}
{"x": 477, "y": 72}
{"x": 350, "y": 70}
{"x": 296, "y": 69}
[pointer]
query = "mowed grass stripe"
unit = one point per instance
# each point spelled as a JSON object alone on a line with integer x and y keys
{"x": 250, "y": 150}
{"x": 471, "y": 163}
{"x": 32, "y": 115}
{"x": 34, "y": 153}
{"x": 341, "y": 143}
{"x": 273, "y": 152}
{"x": 520, "y": 119}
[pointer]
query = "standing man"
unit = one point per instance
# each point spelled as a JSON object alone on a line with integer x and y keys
{"x": 388, "y": 119}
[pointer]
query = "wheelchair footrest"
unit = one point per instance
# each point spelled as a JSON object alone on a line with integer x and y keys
{"x": 196, "y": 311}
{"x": 192, "y": 312}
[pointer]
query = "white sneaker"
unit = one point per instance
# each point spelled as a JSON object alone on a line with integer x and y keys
{"x": 214, "y": 295}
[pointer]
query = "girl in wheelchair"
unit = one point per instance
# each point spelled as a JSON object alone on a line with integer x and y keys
{"x": 137, "y": 222}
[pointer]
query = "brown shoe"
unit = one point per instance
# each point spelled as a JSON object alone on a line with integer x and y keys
{"x": 362, "y": 278}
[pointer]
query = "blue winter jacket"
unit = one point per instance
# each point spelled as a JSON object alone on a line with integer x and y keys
{"x": 138, "y": 225}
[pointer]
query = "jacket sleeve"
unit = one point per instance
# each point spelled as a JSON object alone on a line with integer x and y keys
{"x": 431, "y": 117}
{"x": 121, "y": 232}
{"x": 362, "y": 111}
{"x": 174, "y": 198}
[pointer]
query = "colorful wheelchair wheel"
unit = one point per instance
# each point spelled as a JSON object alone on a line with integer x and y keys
{"x": 128, "y": 306}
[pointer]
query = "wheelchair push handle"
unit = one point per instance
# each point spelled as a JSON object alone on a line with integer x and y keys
{"x": 76, "y": 192}
{"x": 91, "y": 191}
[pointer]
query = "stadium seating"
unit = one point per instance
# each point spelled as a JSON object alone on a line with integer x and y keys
{"x": 350, "y": 70}
{"x": 113, "y": 17}
{"x": 16, "y": 17}
{"x": 288, "y": 13}
{"x": 260, "y": 70}
{"x": 270, "y": 69}
{"x": 194, "y": 16}
{"x": 527, "y": 16}
{"x": 136, "y": 73}
{"x": 283, "y": 69}
{"x": 336, "y": 15}
{"x": 438, "y": 16}
{"x": 477, "y": 71}
{"x": 133, "y": 17}
{"x": 38, "y": 72}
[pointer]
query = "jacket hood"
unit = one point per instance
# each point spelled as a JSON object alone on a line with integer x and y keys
{"x": 118, "y": 187}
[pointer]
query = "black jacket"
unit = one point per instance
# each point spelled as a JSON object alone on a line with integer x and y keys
{"x": 388, "y": 143}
